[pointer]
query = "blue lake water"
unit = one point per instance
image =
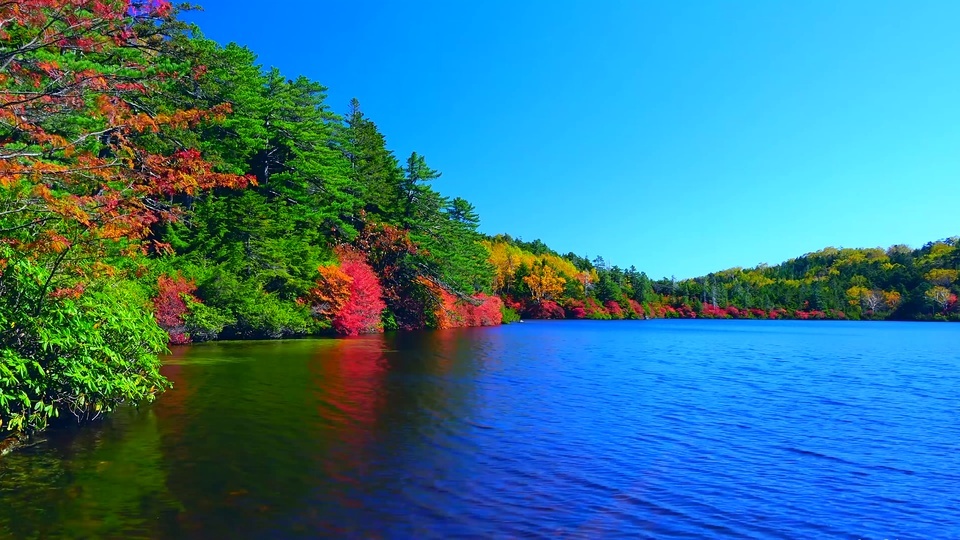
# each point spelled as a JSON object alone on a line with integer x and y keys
{"x": 569, "y": 429}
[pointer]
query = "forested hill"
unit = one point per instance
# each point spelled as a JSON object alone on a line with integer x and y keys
{"x": 158, "y": 187}
{"x": 872, "y": 283}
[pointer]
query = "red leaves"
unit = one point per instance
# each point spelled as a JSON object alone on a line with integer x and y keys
{"x": 480, "y": 310}
{"x": 594, "y": 310}
{"x": 388, "y": 250}
{"x": 710, "y": 312}
{"x": 69, "y": 292}
{"x": 546, "y": 309}
{"x": 488, "y": 313}
{"x": 170, "y": 306}
{"x": 361, "y": 312}
{"x": 613, "y": 309}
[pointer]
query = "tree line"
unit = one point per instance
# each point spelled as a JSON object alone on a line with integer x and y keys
{"x": 897, "y": 283}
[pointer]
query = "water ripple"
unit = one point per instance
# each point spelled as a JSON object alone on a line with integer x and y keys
{"x": 655, "y": 429}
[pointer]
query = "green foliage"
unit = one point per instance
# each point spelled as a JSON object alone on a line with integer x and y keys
{"x": 246, "y": 310}
{"x": 509, "y": 315}
{"x": 79, "y": 354}
{"x": 375, "y": 172}
{"x": 389, "y": 321}
{"x": 868, "y": 283}
{"x": 206, "y": 322}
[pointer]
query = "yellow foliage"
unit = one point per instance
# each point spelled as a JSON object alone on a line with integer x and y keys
{"x": 544, "y": 282}
{"x": 939, "y": 295}
{"x": 506, "y": 259}
{"x": 560, "y": 265}
{"x": 941, "y": 276}
{"x": 938, "y": 252}
{"x": 856, "y": 294}
{"x": 756, "y": 279}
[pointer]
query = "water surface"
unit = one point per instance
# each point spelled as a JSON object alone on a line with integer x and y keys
{"x": 573, "y": 429}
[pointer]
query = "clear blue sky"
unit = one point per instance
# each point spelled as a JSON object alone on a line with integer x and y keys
{"x": 682, "y": 137}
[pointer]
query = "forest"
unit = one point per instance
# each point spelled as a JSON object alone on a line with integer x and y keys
{"x": 158, "y": 188}
{"x": 897, "y": 283}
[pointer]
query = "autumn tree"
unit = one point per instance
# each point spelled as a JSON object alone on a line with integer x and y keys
{"x": 543, "y": 282}
{"x": 85, "y": 173}
{"x": 940, "y": 296}
{"x": 360, "y": 314}
{"x": 891, "y": 299}
{"x": 331, "y": 293}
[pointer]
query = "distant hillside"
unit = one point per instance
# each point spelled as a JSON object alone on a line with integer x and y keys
{"x": 869, "y": 283}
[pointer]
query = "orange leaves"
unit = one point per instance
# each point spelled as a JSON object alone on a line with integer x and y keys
{"x": 178, "y": 120}
{"x": 50, "y": 241}
{"x": 452, "y": 312}
{"x": 891, "y": 299}
{"x": 186, "y": 172}
{"x": 331, "y": 293}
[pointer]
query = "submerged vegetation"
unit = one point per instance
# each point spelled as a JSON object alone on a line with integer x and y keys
{"x": 157, "y": 187}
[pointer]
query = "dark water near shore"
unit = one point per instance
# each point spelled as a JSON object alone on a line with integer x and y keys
{"x": 687, "y": 429}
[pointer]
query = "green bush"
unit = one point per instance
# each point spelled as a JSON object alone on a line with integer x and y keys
{"x": 204, "y": 322}
{"x": 389, "y": 320}
{"x": 74, "y": 351}
{"x": 509, "y": 315}
{"x": 265, "y": 315}
{"x": 247, "y": 311}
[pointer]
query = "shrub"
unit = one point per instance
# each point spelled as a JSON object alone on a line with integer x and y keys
{"x": 508, "y": 315}
{"x": 595, "y": 311}
{"x": 251, "y": 312}
{"x": 79, "y": 351}
{"x": 170, "y": 306}
{"x": 205, "y": 323}
{"x": 546, "y": 309}
{"x": 613, "y": 309}
{"x": 360, "y": 314}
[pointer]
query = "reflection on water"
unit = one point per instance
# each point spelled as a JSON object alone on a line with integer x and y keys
{"x": 576, "y": 429}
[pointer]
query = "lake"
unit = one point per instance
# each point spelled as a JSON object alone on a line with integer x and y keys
{"x": 569, "y": 429}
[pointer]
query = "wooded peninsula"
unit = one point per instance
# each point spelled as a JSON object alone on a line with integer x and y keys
{"x": 158, "y": 188}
